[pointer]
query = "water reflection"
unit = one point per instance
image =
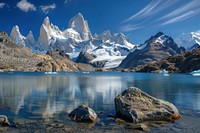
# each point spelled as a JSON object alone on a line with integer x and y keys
{"x": 47, "y": 95}
{"x": 30, "y": 95}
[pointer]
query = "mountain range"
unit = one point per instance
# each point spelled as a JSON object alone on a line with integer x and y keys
{"x": 104, "y": 50}
{"x": 108, "y": 48}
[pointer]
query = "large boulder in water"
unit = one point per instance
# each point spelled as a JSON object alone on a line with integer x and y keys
{"x": 4, "y": 121}
{"x": 134, "y": 105}
{"x": 83, "y": 114}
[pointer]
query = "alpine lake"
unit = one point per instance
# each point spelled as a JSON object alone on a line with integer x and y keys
{"x": 38, "y": 102}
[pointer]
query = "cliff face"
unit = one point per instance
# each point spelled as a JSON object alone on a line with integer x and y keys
{"x": 181, "y": 63}
{"x": 81, "y": 26}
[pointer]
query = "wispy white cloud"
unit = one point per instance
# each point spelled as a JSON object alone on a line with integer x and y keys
{"x": 142, "y": 17}
{"x": 182, "y": 10}
{"x": 65, "y": 1}
{"x": 2, "y": 5}
{"x": 180, "y": 18}
{"x": 144, "y": 12}
{"x": 26, "y": 6}
{"x": 160, "y": 13}
{"x": 47, "y": 8}
{"x": 130, "y": 27}
{"x": 152, "y": 8}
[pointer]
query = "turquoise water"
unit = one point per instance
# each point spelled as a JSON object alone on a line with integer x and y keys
{"x": 34, "y": 97}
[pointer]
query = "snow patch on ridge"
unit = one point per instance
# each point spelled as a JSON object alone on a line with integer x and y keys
{"x": 188, "y": 40}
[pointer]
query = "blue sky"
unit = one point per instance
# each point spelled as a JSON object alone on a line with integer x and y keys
{"x": 138, "y": 19}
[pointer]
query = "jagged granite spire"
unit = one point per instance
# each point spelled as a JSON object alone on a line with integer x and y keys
{"x": 16, "y": 36}
{"x": 79, "y": 24}
{"x": 30, "y": 40}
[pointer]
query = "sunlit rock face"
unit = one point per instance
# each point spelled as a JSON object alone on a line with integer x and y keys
{"x": 81, "y": 26}
{"x": 136, "y": 106}
{"x": 16, "y": 36}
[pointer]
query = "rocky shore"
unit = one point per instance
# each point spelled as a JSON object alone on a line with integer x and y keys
{"x": 135, "y": 111}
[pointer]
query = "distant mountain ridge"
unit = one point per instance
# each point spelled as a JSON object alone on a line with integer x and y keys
{"x": 189, "y": 40}
{"x": 181, "y": 63}
{"x": 155, "y": 48}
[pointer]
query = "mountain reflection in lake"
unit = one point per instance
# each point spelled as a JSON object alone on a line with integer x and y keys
{"x": 48, "y": 94}
{"x": 36, "y": 96}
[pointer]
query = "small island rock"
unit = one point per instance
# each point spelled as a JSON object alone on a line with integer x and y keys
{"x": 83, "y": 114}
{"x": 4, "y": 121}
{"x": 136, "y": 106}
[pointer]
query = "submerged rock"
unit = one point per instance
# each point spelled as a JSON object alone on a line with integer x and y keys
{"x": 138, "y": 126}
{"x": 134, "y": 105}
{"x": 4, "y": 121}
{"x": 83, "y": 114}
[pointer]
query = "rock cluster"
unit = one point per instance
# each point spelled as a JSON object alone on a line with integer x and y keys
{"x": 134, "y": 110}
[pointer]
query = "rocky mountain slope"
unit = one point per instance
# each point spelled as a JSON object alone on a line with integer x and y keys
{"x": 154, "y": 49}
{"x": 16, "y": 58}
{"x": 181, "y": 63}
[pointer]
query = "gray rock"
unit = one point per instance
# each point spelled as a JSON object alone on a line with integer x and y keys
{"x": 58, "y": 54}
{"x": 83, "y": 114}
{"x": 85, "y": 57}
{"x": 138, "y": 126}
{"x": 136, "y": 106}
{"x": 4, "y": 121}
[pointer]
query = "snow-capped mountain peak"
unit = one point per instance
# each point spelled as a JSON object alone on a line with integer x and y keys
{"x": 105, "y": 36}
{"x": 122, "y": 39}
{"x": 30, "y": 40}
{"x": 46, "y": 21}
{"x": 189, "y": 40}
{"x": 79, "y": 24}
{"x": 161, "y": 38}
{"x": 48, "y": 34}
{"x": 16, "y": 36}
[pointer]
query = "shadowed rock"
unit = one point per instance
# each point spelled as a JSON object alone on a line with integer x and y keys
{"x": 83, "y": 114}
{"x": 136, "y": 106}
{"x": 4, "y": 121}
